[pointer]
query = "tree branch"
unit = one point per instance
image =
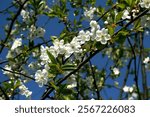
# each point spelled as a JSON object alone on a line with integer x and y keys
{"x": 11, "y": 25}
{"x": 135, "y": 67}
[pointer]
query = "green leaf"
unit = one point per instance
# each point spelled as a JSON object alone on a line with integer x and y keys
{"x": 54, "y": 86}
{"x": 52, "y": 58}
{"x": 68, "y": 67}
{"x": 118, "y": 17}
{"x": 129, "y": 2}
{"x": 121, "y": 36}
{"x": 109, "y": 3}
{"x": 17, "y": 84}
{"x": 111, "y": 30}
{"x": 55, "y": 68}
{"x": 122, "y": 6}
{"x": 53, "y": 38}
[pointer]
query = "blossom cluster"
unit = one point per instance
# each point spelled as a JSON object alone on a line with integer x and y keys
{"x": 89, "y": 13}
{"x": 116, "y": 71}
{"x": 145, "y": 4}
{"x": 132, "y": 95}
{"x": 126, "y": 15}
{"x": 145, "y": 21}
{"x": 24, "y": 91}
{"x": 25, "y": 15}
{"x": 146, "y": 62}
{"x": 15, "y": 48}
{"x": 41, "y": 77}
{"x": 7, "y": 69}
{"x": 128, "y": 89}
{"x": 36, "y": 32}
{"x": 72, "y": 82}
{"x": 74, "y": 47}
{"x": 17, "y": 43}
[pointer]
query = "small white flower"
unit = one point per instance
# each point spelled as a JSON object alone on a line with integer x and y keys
{"x": 134, "y": 96}
{"x": 25, "y": 15}
{"x": 89, "y": 13}
{"x": 145, "y": 21}
{"x": 8, "y": 68}
{"x": 128, "y": 89}
{"x": 72, "y": 82}
{"x": 41, "y": 77}
{"x": 44, "y": 57}
{"x": 40, "y": 32}
{"x": 36, "y": 32}
{"x": 83, "y": 36}
{"x": 24, "y": 90}
{"x": 9, "y": 54}
{"x": 131, "y": 89}
{"x": 134, "y": 12}
{"x": 125, "y": 88}
{"x": 94, "y": 25}
{"x": 59, "y": 46}
{"x": 126, "y": 15}
{"x": 106, "y": 22}
{"x": 145, "y": 4}
{"x": 17, "y": 43}
{"x": 102, "y": 36}
{"x": 72, "y": 85}
{"x": 116, "y": 71}
{"x": 146, "y": 60}
{"x": 74, "y": 46}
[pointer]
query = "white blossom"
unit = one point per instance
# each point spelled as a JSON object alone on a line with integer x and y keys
{"x": 75, "y": 46}
{"x": 83, "y": 36}
{"x": 134, "y": 12}
{"x": 24, "y": 90}
{"x": 36, "y": 32}
{"x": 126, "y": 15}
{"x": 145, "y": 21}
{"x": 25, "y": 15}
{"x": 41, "y": 77}
{"x": 116, "y": 71}
{"x": 59, "y": 46}
{"x": 94, "y": 25}
{"x": 102, "y": 36}
{"x": 146, "y": 60}
{"x": 17, "y": 43}
{"x": 133, "y": 96}
{"x": 7, "y": 70}
{"x": 40, "y": 32}
{"x": 145, "y": 4}
{"x": 72, "y": 82}
{"x": 128, "y": 89}
{"x": 44, "y": 57}
{"x": 89, "y": 13}
{"x": 9, "y": 54}
{"x": 106, "y": 22}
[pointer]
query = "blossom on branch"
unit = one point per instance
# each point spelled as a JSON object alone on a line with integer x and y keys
{"x": 145, "y": 4}
{"x": 17, "y": 43}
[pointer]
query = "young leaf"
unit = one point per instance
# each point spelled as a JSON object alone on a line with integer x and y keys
{"x": 68, "y": 67}
{"x": 52, "y": 58}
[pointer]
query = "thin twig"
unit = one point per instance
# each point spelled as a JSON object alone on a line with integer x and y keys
{"x": 17, "y": 73}
{"x": 135, "y": 68}
{"x": 11, "y": 26}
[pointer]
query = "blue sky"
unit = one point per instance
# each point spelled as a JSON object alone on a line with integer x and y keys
{"x": 54, "y": 28}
